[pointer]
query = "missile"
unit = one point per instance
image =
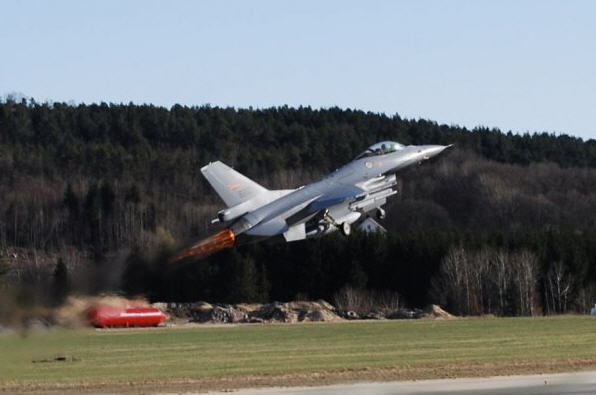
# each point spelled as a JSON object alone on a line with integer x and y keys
{"x": 207, "y": 246}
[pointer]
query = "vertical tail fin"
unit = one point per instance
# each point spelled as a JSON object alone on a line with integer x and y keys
{"x": 233, "y": 187}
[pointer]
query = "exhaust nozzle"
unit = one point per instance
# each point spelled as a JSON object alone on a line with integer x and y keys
{"x": 207, "y": 246}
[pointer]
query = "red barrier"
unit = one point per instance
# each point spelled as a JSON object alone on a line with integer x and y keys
{"x": 110, "y": 316}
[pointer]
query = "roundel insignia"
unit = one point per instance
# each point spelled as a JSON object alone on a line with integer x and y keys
{"x": 369, "y": 165}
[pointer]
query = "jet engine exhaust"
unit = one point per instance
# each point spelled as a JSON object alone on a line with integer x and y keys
{"x": 207, "y": 246}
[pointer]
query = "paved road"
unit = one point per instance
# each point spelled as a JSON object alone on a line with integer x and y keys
{"x": 579, "y": 383}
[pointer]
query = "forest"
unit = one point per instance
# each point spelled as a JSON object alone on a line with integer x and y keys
{"x": 96, "y": 197}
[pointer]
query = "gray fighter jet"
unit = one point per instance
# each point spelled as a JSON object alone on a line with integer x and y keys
{"x": 335, "y": 202}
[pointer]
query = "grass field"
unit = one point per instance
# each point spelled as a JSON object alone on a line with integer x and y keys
{"x": 200, "y": 358}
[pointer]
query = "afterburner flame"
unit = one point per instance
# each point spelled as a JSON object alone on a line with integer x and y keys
{"x": 209, "y": 245}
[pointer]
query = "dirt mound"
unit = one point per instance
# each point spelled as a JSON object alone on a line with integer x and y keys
{"x": 276, "y": 312}
{"x": 297, "y": 311}
{"x": 309, "y": 305}
{"x": 224, "y": 314}
{"x": 248, "y": 307}
{"x": 321, "y": 315}
{"x": 73, "y": 313}
{"x": 290, "y": 312}
{"x": 435, "y": 311}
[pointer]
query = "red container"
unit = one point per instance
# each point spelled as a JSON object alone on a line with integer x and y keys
{"x": 110, "y": 316}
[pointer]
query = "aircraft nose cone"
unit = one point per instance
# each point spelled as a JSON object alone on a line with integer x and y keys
{"x": 434, "y": 150}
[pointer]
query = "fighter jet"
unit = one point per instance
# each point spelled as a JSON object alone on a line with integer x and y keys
{"x": 335, "y": 202}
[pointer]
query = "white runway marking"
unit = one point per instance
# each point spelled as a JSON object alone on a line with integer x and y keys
{"x": 578, "y": 383}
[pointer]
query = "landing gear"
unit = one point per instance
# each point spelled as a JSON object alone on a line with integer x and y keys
{"x": 345, "y": 229}
{"x": 381, "y": 214}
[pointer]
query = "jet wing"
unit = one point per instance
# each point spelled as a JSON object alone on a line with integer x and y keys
{"x": 278, "y": 226}
{"x": 282, "y": 223}
{"x": 336, "y": 196}
{"x": 275, "y": 226}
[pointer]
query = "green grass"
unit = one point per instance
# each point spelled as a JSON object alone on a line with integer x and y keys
{"x": 169, "y": 354}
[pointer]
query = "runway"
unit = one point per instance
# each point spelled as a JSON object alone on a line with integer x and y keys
{"x": 579, "y": 383}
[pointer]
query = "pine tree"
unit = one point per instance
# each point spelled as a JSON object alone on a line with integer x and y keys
{"x": 133, "y": 195}
{"x": 108, "y": 196}
{"x": 71, "y": 201}
{"x": 60, "y": 284}
{"x": 4, "y": 270}
{"x": 137, "y": 275}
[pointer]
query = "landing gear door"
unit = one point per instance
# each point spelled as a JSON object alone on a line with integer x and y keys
{"x": 296, "y": 232}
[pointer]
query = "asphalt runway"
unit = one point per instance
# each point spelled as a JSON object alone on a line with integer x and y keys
{"x": 578, "y": 383}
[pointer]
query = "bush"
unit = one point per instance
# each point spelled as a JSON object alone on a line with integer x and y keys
{"x": 362, "y": 301}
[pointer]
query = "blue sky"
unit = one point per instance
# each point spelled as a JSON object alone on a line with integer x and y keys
{"x": 516, "y": 65}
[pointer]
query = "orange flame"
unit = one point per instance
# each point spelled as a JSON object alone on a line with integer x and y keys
{"x": 209, "y": 245}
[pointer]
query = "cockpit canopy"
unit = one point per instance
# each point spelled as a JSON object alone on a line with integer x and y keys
{"x": 382, "y": 148}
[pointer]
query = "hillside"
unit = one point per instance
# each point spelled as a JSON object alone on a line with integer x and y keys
{"x": 112, "y": 189}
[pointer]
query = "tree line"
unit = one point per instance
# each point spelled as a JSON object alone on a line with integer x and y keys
{"x": 504, "y": 224}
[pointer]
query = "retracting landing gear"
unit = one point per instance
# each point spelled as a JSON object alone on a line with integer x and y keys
{"x": 381, "y": 213}
{"x": 344, "y": 228}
